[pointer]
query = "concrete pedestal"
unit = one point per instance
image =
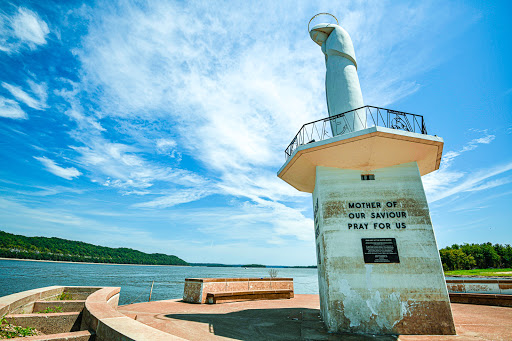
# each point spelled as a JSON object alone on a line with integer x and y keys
{"x": 398, "y": 290}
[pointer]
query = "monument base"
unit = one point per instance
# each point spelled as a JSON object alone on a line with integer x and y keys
{"x": 379, "y": 269}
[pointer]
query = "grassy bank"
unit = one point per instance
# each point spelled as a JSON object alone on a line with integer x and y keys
{"x": 481, "y": 272}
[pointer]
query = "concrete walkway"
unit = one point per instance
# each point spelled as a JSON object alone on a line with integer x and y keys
{"x": 295, "y": 319}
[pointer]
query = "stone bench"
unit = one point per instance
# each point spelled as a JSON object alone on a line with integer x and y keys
{"x": 231, "y": 296}
{"x": 197, "y": 289}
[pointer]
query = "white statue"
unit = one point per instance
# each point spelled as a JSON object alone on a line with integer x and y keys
{"x": 341, "y": 81}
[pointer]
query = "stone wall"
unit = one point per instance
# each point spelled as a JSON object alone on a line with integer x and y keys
{"x": 480, "y": 286}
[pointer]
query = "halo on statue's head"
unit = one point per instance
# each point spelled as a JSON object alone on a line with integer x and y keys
{"x": 316, "y": 15}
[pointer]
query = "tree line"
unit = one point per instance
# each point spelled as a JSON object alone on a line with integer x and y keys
{"x": 57, "y": 249}
{"x": 455, "y": 257}
{"x": 476, "y": 256}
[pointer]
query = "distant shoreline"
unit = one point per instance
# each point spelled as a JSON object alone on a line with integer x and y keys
{"x": 206, "y": 266}
{"x": 509, "y": 274}
{"x": 479, "y": 276}
{"x": 58, "y": 261}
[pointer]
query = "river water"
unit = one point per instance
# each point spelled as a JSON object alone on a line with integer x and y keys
{"x": 135, "y": 281}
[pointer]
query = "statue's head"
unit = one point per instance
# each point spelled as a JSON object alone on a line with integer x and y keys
{"x": 319, "y": 33}
{"x": 333, "y": 39}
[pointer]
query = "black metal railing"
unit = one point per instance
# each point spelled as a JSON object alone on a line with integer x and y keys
{"x": 360, "y": 118}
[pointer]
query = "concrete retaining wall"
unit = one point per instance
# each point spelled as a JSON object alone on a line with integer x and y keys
{"x": 23, "y": 302}
{"x": 48, "y": 323}
{"x": 196, "y": 288}
{"x": 84, "y": 335}
{"x": 65, "y": 306}
{"x": 101, "y": 316}
{"x": 96, "y": 318}
{"x": 22, "y": 309}
{"x": 480, "y": 286}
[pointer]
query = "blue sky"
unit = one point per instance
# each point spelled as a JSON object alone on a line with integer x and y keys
{"x": 160, "y": 126}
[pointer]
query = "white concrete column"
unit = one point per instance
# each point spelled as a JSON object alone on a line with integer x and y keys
{"x": 393, "y": 290}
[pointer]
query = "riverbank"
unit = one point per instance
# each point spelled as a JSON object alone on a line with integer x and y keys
{"x": 477, "y": 273}
{"x": 67, "y": 262}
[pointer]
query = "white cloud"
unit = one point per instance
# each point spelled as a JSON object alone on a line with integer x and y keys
{"x": 448, "y": 181}
{"x": 85, "y": 123}
{"x": 29, "y": 28}
{"x": 180, "y": 196}
{"x": 125, "y": 169}
{"x": 492, "y": 183}
{"x": 40, "y": 90}
{"x": 261, "y": 222}
{"x": 22, "y": 96}
{"x": 22, "y": 29}
{"x": 474, "y": 182}
{"x": 287, "y": 221}
{"x": 168, "y": 147}
{"x": 474, "y": 143}
{"x": 66, "y": 173}
{"x": 165, "y": 145}
{"x": 259, "y": 183}
{"x": 11, "y": 109}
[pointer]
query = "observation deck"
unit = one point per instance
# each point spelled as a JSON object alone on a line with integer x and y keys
{"x": 389, "y": 138}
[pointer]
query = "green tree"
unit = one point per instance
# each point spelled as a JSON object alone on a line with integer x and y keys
{"x": 456, "y": 259}
{"x": 16, "y": 246}
{"x": 484, "y": 254}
